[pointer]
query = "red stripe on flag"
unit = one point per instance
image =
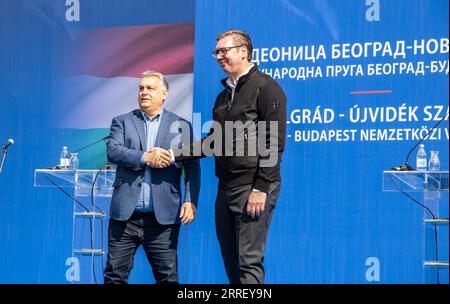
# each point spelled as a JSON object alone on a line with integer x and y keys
{"x": 128, "y": 51}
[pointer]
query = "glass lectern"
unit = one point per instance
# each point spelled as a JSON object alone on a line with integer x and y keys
{"x": 92, "y": 190}
{"x": 432, "y": 185}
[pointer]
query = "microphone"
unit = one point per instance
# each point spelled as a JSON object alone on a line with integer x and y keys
{"x": 405, "y": 166}
{"x": 107, "y": 166}
{"x": 91, "y": 144}
{"x": 5, "y": 150}
{"x": 6, "y": 144}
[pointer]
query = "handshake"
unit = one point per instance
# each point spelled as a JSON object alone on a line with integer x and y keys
{"x": 157, "y": 158}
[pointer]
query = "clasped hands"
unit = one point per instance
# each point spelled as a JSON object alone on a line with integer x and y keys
{"x": 157, "y": 158}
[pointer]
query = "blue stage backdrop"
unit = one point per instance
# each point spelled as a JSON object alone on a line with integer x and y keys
{"x": 364, "y": 80}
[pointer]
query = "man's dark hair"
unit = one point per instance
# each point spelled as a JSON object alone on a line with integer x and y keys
{"x": 239, "y": 38}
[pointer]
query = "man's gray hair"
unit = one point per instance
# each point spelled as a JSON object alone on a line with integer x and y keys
{"x": 161, "y": 77}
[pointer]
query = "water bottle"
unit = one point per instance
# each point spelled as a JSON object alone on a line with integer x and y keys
{"x": 74, "y": 162}
{"x": 421, "y": 159}
{"x": 434, "y": 163}
{"x": 64, "y": 161}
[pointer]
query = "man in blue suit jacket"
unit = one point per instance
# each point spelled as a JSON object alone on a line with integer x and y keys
{"x": 146, "y": 205}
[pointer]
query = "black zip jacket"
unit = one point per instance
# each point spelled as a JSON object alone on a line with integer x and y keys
{"x": 257, "y": 98}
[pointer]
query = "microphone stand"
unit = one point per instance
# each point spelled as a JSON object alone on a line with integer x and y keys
{"x": 91, "y": 144}
{"x": 5, "y": 150}
{"x": 405, "y": 166}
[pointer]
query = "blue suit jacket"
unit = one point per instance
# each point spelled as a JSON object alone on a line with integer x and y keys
{"x": 126, "y": 144}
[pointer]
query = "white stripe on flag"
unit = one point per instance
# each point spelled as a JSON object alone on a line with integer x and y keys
{"x": 86, "y": 102}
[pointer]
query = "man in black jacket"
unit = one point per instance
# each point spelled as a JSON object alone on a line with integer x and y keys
{"x": 247, "y": 140}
